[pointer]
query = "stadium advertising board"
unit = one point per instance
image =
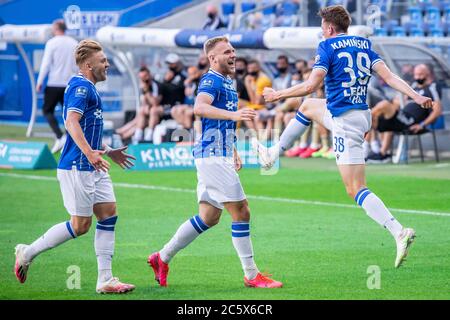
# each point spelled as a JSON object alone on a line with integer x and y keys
{"x": 239, "y": 39}
{"x": 173, "y": 156}
{"x": 25, "y": 155}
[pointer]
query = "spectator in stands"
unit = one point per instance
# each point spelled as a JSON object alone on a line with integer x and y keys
{"x": 202, "y": 63}
{"x": 319, "y": 145}
{"x": 407, "y": 73}
{"x": 241, "y": 73}
{"x": 150, "y": 99}
{"x": 172, "y": 94}
{"x": 388, "y": 117}
{"x": 213, "y": 22}
{"x": 183, "y": 114}
{"x": 58, "y": 63}
{"x": 282, "y": 81}
{"x": 255, "y": 82}
{"x": 300, "y": 66}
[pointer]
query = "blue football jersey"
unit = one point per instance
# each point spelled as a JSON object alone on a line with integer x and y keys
{"x": 81, "y": 96}
{"x": 348, "y": 62}
{"x": 218, "y": 136}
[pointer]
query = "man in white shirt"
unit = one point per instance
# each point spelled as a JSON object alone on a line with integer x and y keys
{"x": 58, "y": 63}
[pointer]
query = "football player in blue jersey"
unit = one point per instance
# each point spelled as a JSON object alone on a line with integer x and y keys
{"x": 346, "y": 63}
{"x": 217, "y": 163}
{"x": 83, "y": 174}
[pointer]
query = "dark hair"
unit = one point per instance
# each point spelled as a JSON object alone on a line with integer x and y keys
{"x": 253, "y": 61}
{"x": 338, "y": 16}
{"x": 144, "y": 69}
{"x": 60, "y": 24}
{"x": 283, "y": 57}
{"x": 242, "y": 59}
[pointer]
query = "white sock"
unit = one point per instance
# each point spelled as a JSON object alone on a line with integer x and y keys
{"x": 375, "y": 146}
{"x": 104, "y": 247}
{"x": 185, "y": 234}
{"x": 148, "y": 134}
{"x": 295, "y": 129}
{"x": 240, "y": 234}
{"x": 54, "y": 236}
{"x": 138, "y": 135}
{"x": 376, "y": 209}
{"x": 303, "y": 145}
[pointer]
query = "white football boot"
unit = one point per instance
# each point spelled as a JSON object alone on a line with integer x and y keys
{"x": 113, "y": 285}
{"x": 266, "y": 156}
{"x": 21, "y": 266}
{"x": 404, "y": 242}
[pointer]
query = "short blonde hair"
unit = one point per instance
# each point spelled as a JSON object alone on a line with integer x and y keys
{"x": 85, "y": 49}
{"x": 212, "y": 42}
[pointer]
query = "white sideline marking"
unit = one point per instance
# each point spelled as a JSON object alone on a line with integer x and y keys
{"x": 263, "y": 198}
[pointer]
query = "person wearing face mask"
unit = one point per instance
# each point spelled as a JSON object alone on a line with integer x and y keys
{"x": 213, "y": 22}
{"x": 202, "y": 63}
{"x": 241, "y": 73}
{"x": 389, "y": 117}
{"x": 255, "y": 82}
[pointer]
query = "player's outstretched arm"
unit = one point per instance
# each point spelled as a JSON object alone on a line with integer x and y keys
{"x": 204, "y": 109}
{"x": 300, "y": 90}
{"x": 394, "y": 81}
{"x": 74, "y": 129}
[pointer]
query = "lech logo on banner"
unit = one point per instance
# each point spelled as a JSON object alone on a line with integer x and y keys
{"x": 85, "y": 24}
{"x": 25, "y": 155}
{"x": 172, "y": 156}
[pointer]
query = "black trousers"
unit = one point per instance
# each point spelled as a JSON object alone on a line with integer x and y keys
{"x": 53, "y": 95}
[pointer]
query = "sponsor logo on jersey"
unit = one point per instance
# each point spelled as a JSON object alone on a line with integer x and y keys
{"x": 81, "y": 92}
{"x": 207, "y": 83}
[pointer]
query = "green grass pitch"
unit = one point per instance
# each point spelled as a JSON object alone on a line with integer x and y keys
{"x": 319, "y": 250}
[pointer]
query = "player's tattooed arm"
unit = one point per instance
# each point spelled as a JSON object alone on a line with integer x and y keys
{"x": 300, "y": 90}
{"x": 75, "y": 131}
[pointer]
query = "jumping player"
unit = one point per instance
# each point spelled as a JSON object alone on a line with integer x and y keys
{"x": 346, "y": 63}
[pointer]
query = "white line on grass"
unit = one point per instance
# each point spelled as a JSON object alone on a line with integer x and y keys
{"x": 262, "y": 198}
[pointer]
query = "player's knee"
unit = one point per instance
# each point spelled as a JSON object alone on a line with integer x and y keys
{"x": 81, "y": 227}
{"x": 244, "y": 214}
{"x": 305, "y": 107}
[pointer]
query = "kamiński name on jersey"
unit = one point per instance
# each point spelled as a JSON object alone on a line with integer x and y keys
{"x": 218, "y": 136}
{"x": 81, "y": 96}
{"x": 348, "y": 62}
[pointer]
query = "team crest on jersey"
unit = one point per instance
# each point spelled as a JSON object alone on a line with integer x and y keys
{"x": 207, "y": 83}
{"x": 98, "y": 114}
{"x": 230, "y": 105}
{"x": 81, "y": 92}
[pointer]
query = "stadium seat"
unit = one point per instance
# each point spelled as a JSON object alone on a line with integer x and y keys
{"x": 429, "y": 129}
{"x": 247, "y": 6}
{"x": 447, "y": 14}
{"x": 269, "y": 15}
{"x": 380, "y": 32}
{"x": 228, "y": 8}
{"x": 433, "y": 16}
{"x": 416, "y": 32}
{"x": 415, "y": 14}
{"x": 398, "y": 31}
{"x": 289, "y": 17}
{"x": 390, "y": 25}
{"x": 436, "y": 32}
